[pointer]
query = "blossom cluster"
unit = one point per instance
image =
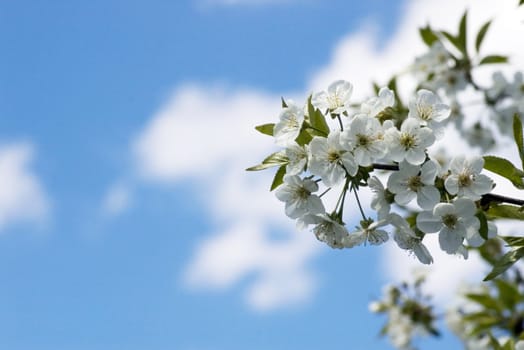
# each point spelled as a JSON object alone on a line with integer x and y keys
{"x": 374, "y": 136}
{"x": 409, "y": 314}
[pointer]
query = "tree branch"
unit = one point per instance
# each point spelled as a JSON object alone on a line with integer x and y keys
{"x": 485, "y": 200}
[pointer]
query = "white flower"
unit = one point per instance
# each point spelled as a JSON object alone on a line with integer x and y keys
{"x": 327, "y": 230}
{"x": 465, "y": 179}
{"x": 329, "y": 160}
{"x": 410, "y": 142}
{"x": 435, "y": 61}
{"x": 516, "y": 88}
{"x": 296, "y": 192}
{"x": 477, "y": 135}
{"x": 375, "y": 105}
{"x": 456, "y": 116}
{"x": 454, "y": 222}
{"x": 428, "y": 109}
{"x": 414, "y": 181}
{"x": 401, "y": 329}
{"x": 500, "y": 86}
{"x": 288, "y": 128}
{"x": 366, "y": 138}
{"x": 451, "y": 80}
{"x": 475, "y": 239}
{"x": 407, "y": 239}
{"x": 367, "y": 232}
{"x": 380, "y": 201}
{"x": 297, "y": 156}
{"x": 336, "y": 99}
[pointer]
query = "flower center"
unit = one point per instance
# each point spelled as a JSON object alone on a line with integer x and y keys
{"x": 465, "y": 179}
{"x": 363, "y": 140}
{"x": 302, "y": 193}
{"x": 450, "y": 220}
{"x": 334, "y": 102}
{"x": 408, "y": 141}
{"x": 425, "y": 112}
{"x": 415, "y": 183}
{"x": 333, "y": 156}
{"x": 292, "y": 122}
{"x": 442, "y": 58}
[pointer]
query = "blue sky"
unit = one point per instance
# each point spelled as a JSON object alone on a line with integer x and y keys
{"x": 104, "y": 235}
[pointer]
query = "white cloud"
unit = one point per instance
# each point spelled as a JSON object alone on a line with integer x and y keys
{"x": 205, "y": 134}
{"x": 245, "y": 249}
{"x": 117, "y": 199}
{"x": 22, "y": 198}
{"x": 200, "y": 129}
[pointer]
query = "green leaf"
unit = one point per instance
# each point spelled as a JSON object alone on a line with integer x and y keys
{"x": 505, "y": 263}
{"x": 481, "y": 34}
{"x": 453, "y": 40}
{"x": 521, "y": 2}
{"x": 427, "y": 35}
{"x": 509, "y": 345}
{"x": 392, "y": 85}
{"x": 505, "y": 168}
{"x": 274, "y": 159}
{"x": 266, "y": 129}
{"x": 485, "y": 300}
{"x": 482, "y": 321}
{"x": 304, "y": 137}
{"x": 483, "y": 224}
{"x": 517, "y": 135}
{"x": 317, "y": 120}
{"x": 462, "y": 37}
{"x": 513, "y": 241}
{"x": 505, "y": 211}
{"x": 284, "y": 104}
{"x": 279, "y": 177}
{"x": 508, "y": 293}
{"x": 494, "y": 59}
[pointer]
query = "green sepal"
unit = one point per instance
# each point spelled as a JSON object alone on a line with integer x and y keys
{"x": 427, "y": 35}
{"x": 274, "y": 159}
{"x": 284, "y": 104}
{"x": 266, "y": 129}
{"x": 481, "y": 34}
{"x": 279, "y": 177}
{"x": 504, "y": 168}
{"x": 517, "y": 135}
{"x": 493, "y": 59}
{"x": 505, "y": 263}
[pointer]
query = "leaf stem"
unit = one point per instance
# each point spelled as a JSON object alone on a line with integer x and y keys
{"x": 340, "y": 122}
{"x": 358, "y": 202}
